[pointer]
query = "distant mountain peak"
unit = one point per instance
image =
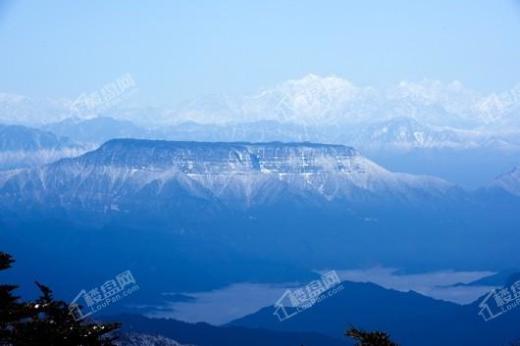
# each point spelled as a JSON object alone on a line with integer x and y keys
{"x": 23, "y": 147}
{"x": 509, "y": 182}
{"x": 18, "y": 137}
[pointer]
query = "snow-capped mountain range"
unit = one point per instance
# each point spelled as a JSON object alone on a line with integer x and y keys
{"x": 317, "y": 101}
{"x": 439, "y": 115}
{"x": 123, "y": 171}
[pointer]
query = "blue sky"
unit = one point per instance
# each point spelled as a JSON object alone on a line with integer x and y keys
{"x": 181, "y": 49}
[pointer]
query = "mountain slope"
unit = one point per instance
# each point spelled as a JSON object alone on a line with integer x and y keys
{"x": 218, "y": 207}
{"x": 221, "y": 209}
{"x": 508, "y": 182}
{"x": 410, "y": 318}
{"x": 23, "y": 147}
{"x": 16, "y": 137}
{"x": 97, "y": 130}
{"x": 136, "y": 339}
{"x": 402, "y": 143}
{"x": 232, "y": 173}
{"x": 203, "y": 334}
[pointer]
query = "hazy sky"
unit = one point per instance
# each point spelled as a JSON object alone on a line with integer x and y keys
{"x": 181, "y": 49}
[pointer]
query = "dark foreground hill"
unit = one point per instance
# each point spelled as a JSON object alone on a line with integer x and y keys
{"x": 203, "y": 334}
{"x": 410, "y": 318}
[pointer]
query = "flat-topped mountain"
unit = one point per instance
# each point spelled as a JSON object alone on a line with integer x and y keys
{"x": 123, "y": 171}
{"x": 296, "y": 206}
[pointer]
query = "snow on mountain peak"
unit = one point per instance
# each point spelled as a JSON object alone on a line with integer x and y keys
{"x": 312, "y": 101}
{"x": 247, "y": 173}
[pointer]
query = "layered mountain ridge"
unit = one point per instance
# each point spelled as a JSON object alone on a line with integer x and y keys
{"x": 244, "y": 173}
{"x": 16, "y": 137}
{"x": 210, "y": 207}
{"x": 509, "y": 182}
{"x": 23, "y": 147}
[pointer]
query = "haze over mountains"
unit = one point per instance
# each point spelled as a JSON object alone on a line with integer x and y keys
{"x": 439, "y": 115}
{"x": 260, "y": 173}
{"x": 23, "y": 147}
{"x": 309, "y": 175}
{"x": 509, "y": 181}
{"x": 413, "y": 318}
{"x": 312, "y": 100}
{"x": 428, "y": 128}
{"x": 406, "y": 127}
{"x": 297, "y": 206}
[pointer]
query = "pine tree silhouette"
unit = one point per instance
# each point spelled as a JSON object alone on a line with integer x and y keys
{"x": 365, "y": 338}
{"x": 45, "y": 321}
